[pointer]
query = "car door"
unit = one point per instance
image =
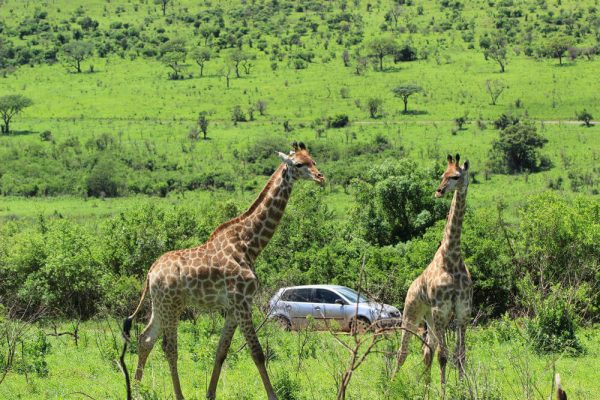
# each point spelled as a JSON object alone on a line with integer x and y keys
{"x": 332, "y": 307}
{"x": 299, "y": 306}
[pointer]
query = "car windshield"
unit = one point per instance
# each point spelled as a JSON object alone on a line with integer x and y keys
{"x": 351, "y": 295}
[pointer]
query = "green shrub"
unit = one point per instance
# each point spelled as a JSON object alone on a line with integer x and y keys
{"x": 553, "y": 328}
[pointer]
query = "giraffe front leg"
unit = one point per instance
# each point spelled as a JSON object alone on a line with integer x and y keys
{"x": 243, "y": 314}
{"x": 440, "y": 323}
{"x": 429, "y": 347}
{"x": 169, "y": 346}
{"x": 224, "y": 343}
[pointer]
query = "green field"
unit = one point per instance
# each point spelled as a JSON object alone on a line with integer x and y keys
{"x": 107, "y": 169}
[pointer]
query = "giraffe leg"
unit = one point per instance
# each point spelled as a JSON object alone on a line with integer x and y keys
{"x": 243, "y": 315}
{"x": 429, "y": 348}
{"x": 169, "y": 346}
{"x": 411, "y": 318}
{"x": 460, "y": 353}
{"x": 440, "y": 322}
{"x": 224, "y": 343}
{"x": 146, "y": 343}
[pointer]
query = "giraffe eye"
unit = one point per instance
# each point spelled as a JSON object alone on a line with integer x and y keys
{"x": 454, "y": 177}
{"x": 299, "y": 165}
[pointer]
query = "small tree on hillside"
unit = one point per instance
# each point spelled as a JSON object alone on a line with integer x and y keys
{"x": 75, "y": 52}
{"x": 374, "y": 106}
{"x": 405, "y": 91}
{"x": 163, "y": 5}
{"x": 516, "y": 149}
{"x": 201, "y": 55}
{"x": 236, "y": 57}
{"x": 494, "y": 89}
{"x": 173, "y": 53}
{"x": 585, "y": 117}
{"x": 556, "y": 46}
{"x": 381, "y": 47}
{"x": 225, "y": 72}
{"x": 203, "y": 123}
{"x": 10, "y": 106}
{"x": 497, "y": 50}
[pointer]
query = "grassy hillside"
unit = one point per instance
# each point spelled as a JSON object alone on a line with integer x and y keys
{"x": 108, "y": 168}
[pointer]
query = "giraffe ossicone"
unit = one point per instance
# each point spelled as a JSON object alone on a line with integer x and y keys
{"x": 444, "y": 289}
{"x": 219, "y": 275}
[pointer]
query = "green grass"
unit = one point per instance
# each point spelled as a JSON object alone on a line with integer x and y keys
{"x": 508, "y": 369}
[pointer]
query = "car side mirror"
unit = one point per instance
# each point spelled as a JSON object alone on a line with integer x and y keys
{"x": 340, "y": 302}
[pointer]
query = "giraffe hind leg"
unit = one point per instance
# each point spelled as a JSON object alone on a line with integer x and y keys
{"x": 411, "y": 318}
{"x": 146, "y": 342}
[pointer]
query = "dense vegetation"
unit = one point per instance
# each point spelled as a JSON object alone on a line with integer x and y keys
{"x": 130, "y": 128}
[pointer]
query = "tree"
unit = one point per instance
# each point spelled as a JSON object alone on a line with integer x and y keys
{"x": 10, "y": 106}
{"x": 381, "y": 47}
{"x": 173, "y": 53}
{"x": 374, "y": 106}
{"x": 203, "y": 123}
{"x": 236, "y": 57}
{"x": 201, "y": 55}
{"x": 163, "y": 5}
{"x": 261, "y": 106}
{"x": 394, "y": 203}
{"x": 497, "y": 50}
{"x": 225, "y": 72}
{"x": 494, "y": 89}
{"x": 585, "y": 117}
{"x": 516, "y": 148}
{"x": 75, "y": 52}
{"x": 556, "y": 46}
{"x": 405, "y": 91}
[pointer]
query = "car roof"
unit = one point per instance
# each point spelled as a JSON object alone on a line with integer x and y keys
{"x": 315, "y": 287}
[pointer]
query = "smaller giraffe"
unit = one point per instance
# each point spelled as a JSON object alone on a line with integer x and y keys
{"x": 444, "y": 289}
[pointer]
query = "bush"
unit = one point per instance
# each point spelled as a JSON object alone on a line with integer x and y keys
{"x": 339, "y": 121}
{"x": 553, "y": 328}
{"x": 374, "y": 105}
{"x": 504, "y": 121}
{"x": 516, "y": 149}
{"x": 585, "y": 117}
{"x": 105, "y": 179}
{"x": 237, "y": 115}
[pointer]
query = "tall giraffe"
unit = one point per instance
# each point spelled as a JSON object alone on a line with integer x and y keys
{"x": 444, "y": 288}
{"x": 219, "y": 275}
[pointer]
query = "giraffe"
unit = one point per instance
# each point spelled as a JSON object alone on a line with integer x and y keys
{"x": 219, "y": 274}
{"x": 444, "y": 288}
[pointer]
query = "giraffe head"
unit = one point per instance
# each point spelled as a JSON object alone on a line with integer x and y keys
{"x": 301, "y": 164}
{"x": 456, "y": 177}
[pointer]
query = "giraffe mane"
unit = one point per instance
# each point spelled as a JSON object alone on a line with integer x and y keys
{"x": 259, "y": 199}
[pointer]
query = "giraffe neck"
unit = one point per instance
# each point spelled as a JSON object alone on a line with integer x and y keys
{"x": 263, "y": 217}
{"x": 450, "y": 246}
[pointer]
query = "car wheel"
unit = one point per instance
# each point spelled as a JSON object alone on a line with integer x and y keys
{"x": 362, "y": 325}
{"x": 283, "y": 323}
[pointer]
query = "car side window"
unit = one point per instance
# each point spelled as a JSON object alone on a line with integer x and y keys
{"x": 325, "y": 296}
{"x": 297, "y": 295}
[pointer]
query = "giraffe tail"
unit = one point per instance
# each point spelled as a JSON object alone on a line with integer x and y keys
{"x": 126, "y": 332}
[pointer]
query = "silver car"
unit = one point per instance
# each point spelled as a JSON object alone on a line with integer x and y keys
{"x": 330, "y": 306}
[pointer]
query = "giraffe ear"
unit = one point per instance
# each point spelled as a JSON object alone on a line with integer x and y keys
{"x": 449, "y": 159}
{"x": 466, "y": 165}
{"x": 285, "y": 158}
